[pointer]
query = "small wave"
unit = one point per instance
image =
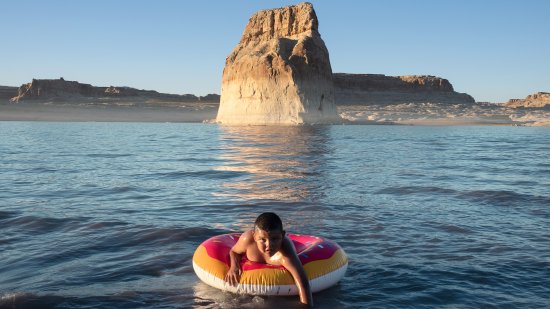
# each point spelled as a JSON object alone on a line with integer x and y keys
{"x": 122, "y": 189}
{"x": 41, "y": 170}
{"x": 104, "y": 224}
{"x": 96, "y": 191}
{"x": 122, "y": 299}
{"x": 454, "y": 229}
{"x": 502, "y": 197}
{"x": 29, "y": 300}
{"x": 42, "y": 224}
{"x": 108, "y": 155}
{"x": 195, "y": 159}
{"x": 147, "y": 236}
{"x": 207, "y": 174}
{"x": 7, "y": 214}
{"x": 506, "y": 198}
{"x": 415, "y": 190}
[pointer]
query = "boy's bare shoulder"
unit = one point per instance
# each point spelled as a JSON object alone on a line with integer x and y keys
{"x": 287, "y": 248}
{"x": 247, "y": 236}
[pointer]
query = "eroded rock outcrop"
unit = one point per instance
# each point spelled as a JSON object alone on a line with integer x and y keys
{"x": 63, "y": 90}
{"x": 539, "y": 99}
{"x": 52, "y": 88}
{"x": 279, "y": 73}
{"x": 364, "y": 89}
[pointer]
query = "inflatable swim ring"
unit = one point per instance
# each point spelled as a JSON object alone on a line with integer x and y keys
{"x": 325, "y": 263}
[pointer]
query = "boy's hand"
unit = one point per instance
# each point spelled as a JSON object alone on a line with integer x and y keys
{"x": 233, "y": 276}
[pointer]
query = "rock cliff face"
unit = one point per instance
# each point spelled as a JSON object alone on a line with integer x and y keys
{"x": 279, "y": 73}
{"x": 7, "y": 92}
{"x": 381, "y": 89}
{"x": 62, "y": 90}
{"x": 53, "y": 88}
{"x": 539, "y": 99}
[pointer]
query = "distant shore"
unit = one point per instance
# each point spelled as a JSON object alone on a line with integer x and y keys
{"x": 434, "y": 114}
{"x": 187, "y": 112}
{"x": 443, "y": 114}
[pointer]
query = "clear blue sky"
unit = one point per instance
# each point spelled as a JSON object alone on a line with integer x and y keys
{"x": 492, "y": 49}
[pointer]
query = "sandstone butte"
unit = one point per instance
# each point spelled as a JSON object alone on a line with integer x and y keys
{"x": 279, "y": 73}
{"x": 539, "y": 99}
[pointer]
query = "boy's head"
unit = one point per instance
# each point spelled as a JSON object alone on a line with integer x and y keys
{"x": 268, "y": 233}
{"x": 268, "y": 221}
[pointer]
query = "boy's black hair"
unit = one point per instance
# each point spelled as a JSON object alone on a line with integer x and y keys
{"x": 269, "y": 221}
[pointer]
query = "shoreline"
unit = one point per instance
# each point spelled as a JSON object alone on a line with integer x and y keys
{"x": 186, "y": 112}
{"x": 424, "y": 114}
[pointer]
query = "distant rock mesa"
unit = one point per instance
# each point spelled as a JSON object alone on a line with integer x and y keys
{"x": 539, "y": 99}
{"x": 59, "y": 90}
{"x": 366, "y": 89}
{"x": 279, "y": 73}
{"x": 7, "y": 92}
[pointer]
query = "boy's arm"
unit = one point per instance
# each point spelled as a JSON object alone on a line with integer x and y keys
{"x": 233, "y": 275}
{"x": 292, "y": 263}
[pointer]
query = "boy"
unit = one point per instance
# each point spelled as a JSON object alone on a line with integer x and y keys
{"x": 268, "y": 244}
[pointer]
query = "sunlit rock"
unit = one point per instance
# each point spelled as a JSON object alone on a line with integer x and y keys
{"x": 279, "y": 73}
{"x": 539, "y": 99}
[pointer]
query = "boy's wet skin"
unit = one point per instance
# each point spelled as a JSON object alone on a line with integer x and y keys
{"x": 268, "y": 244}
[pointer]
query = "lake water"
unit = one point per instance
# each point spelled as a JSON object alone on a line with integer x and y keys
{"x": 108, "y": 215}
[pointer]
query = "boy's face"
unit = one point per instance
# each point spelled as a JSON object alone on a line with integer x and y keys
{"x": 268, "y": 242}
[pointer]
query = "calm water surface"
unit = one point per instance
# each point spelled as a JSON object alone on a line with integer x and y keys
{"x": 108, "y": 215}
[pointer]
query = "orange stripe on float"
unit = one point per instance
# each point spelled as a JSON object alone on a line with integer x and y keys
{"x": 267, "y": 277}
{"x": 315, "y": 269}
{"x": 208, "y": 264}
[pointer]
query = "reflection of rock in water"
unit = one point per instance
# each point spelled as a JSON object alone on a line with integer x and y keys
{"x": 280, "y": 163}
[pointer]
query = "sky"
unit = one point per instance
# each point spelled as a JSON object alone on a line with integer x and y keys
{"x": 494, "y": 50}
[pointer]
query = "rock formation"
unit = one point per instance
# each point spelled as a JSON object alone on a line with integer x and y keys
{"x": 7, "y": 92}
{"x": 53, "y": 88}
{"x": 210, "y": 98}
{"x": 279, "y": 73}
{"x": 364, "y": 89}
{"x": 62, "y": 90}
{"x": 539, "y": 99}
